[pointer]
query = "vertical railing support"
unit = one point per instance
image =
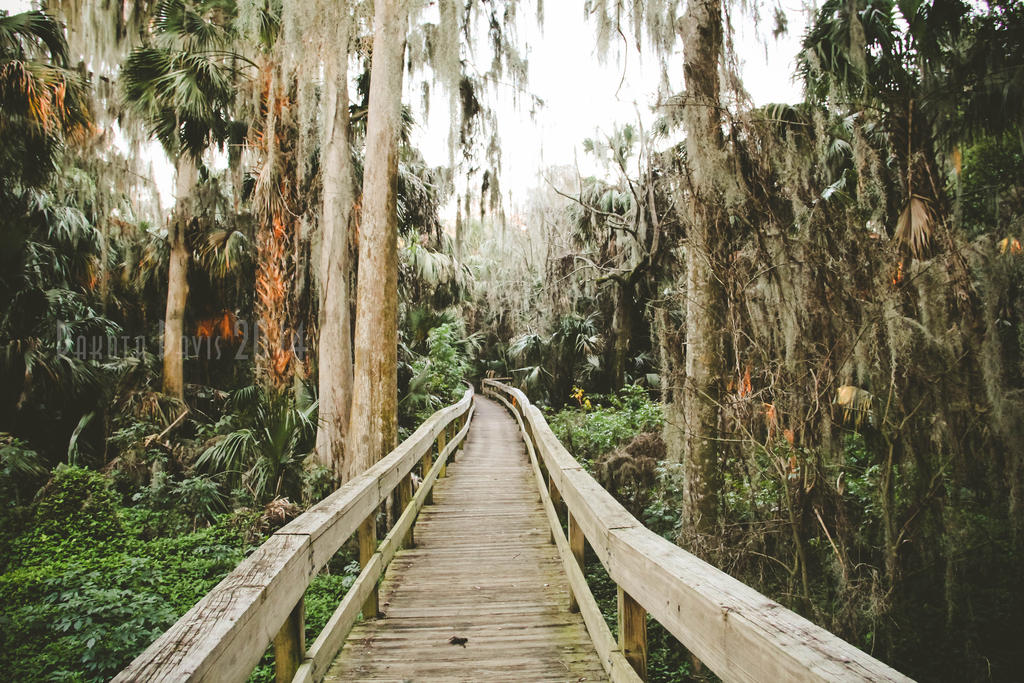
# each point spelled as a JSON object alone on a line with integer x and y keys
{"x": 577, "y": 545}
{"x": 633, "y": 633}
{"x": 367, "y": 547}
{"x": 556, "y": 502}
{"x": 290, "y": 644}
{"x": 404, "y": 497}
{"x": 442, "y": 441}
{"x": 425, "y": 464}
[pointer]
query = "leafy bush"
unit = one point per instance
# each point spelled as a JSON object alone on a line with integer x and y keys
{"x": 200, "y": 496}
{"x": 437, "y": 378}
{"x": 78, "y": 502}
{"x": 317, "y": 483}
{"x": 608, "y": 424}
{"x": 77, "y": 606}
{"x": 263, "y": 447}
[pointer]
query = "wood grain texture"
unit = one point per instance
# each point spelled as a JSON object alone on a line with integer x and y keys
{"x": 367, "y": 547}
{"x": 633, "y": 632}
{"x": 482, "y": 569}
{"x": 577, "y": 545}
{"x": 332, "y": 637}
{"x": 290, "y": 645}
{"x": 738, "y": 633}
{"x": 223, "y": 637}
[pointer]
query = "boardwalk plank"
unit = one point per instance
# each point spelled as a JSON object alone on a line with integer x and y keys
{"x": 482, "y": 569}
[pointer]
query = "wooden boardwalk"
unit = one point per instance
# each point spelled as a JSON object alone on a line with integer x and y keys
{"x": 482, "y": 569}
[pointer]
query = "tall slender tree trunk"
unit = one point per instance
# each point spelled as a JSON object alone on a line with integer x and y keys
{"x": 177, "y": 276}
{"x": 276, "y": 239}
{"x": 335, "y": 351}
{"x": 373, "y": 428}
{"x": 622, "y": 329}
{"x": 707, "y": 238}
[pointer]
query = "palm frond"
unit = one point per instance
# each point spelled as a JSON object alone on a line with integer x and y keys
{"x": 915, "y": 226}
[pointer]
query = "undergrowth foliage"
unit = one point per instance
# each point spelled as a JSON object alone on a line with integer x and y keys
{"x": 436, "y": 378}
{"x": 92, "y": 582}
{"x": 609, "y": 422}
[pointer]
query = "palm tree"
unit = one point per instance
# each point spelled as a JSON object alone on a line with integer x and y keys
{"x": 575, "y": 345}
{"x": 49, "y": 251}
{"x": 892, "y": 60}
{"x": 529, "y": 351}
{"x": 620, "y": 223}
{"x": 264, "y": 453}
{"x": 182, "y": 83}
{"x": 43, "y": 101}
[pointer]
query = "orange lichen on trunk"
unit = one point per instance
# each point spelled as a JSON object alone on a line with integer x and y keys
{"x": 272, "y": 302}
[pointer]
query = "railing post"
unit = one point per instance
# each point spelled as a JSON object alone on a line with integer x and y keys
{"x": 367, "y": 547}
{"x": 404, "y": 496}
{"x": 290, "y": 644}
{"x": 462, "y": 423}
{"x": 556, "y": 501}
{"x": 426, "y": 462}
{"x": 633, "y": 633}
{"x": 442, "y": 441}
{"x": 577, "y": 545}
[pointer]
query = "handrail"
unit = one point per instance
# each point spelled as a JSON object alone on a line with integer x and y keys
{"x": 224, "y": 636}
{"x": 740, "y": 634}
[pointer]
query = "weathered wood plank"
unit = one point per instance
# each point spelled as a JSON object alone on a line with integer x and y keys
{"x": 367, "y": 549}
{"x": 340, "y": 624}
{"x": 581, "y": 599}
{"x": 632, "y": 632}
{"x": 404, "y": 498}
{"x": 577, "y": 546}
{"x": 223, "y": 637}
{"x": 332, "y": 637}
{"x": 338, "y": 516}
{"x": 738, "y": 633}
{"x": 481, "y": 569}
{"x": 442, "y": 442}
{"x": 290, "y": 644}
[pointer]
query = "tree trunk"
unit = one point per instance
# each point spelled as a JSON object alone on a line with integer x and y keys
{"x": 373, "y": 428}
{"x": 335, "y": 350}
{"x": 622, "y": 329}
{"x": 177, "y": 277}
{"x": 275, "y": 241}
{"x": 701, "y": 31}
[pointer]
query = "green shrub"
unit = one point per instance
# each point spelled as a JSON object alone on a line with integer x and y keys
{"x": 437, "y": 378}
{"x": 80, "y": 605}
{"x": 78, "y": 502}
{"x": 201, "y": 497}
{"x": 609, "y": 423}
{"x": 317, "y": 483}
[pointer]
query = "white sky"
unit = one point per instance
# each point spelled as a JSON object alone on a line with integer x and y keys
{"x": 582, "y": 96}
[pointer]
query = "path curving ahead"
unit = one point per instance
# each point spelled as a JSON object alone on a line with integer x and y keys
{"x": 482, "y": 569}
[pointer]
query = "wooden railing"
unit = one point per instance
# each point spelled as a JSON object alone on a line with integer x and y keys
{"x": 738, "y": 633}
{"x": 225, "y": 635}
